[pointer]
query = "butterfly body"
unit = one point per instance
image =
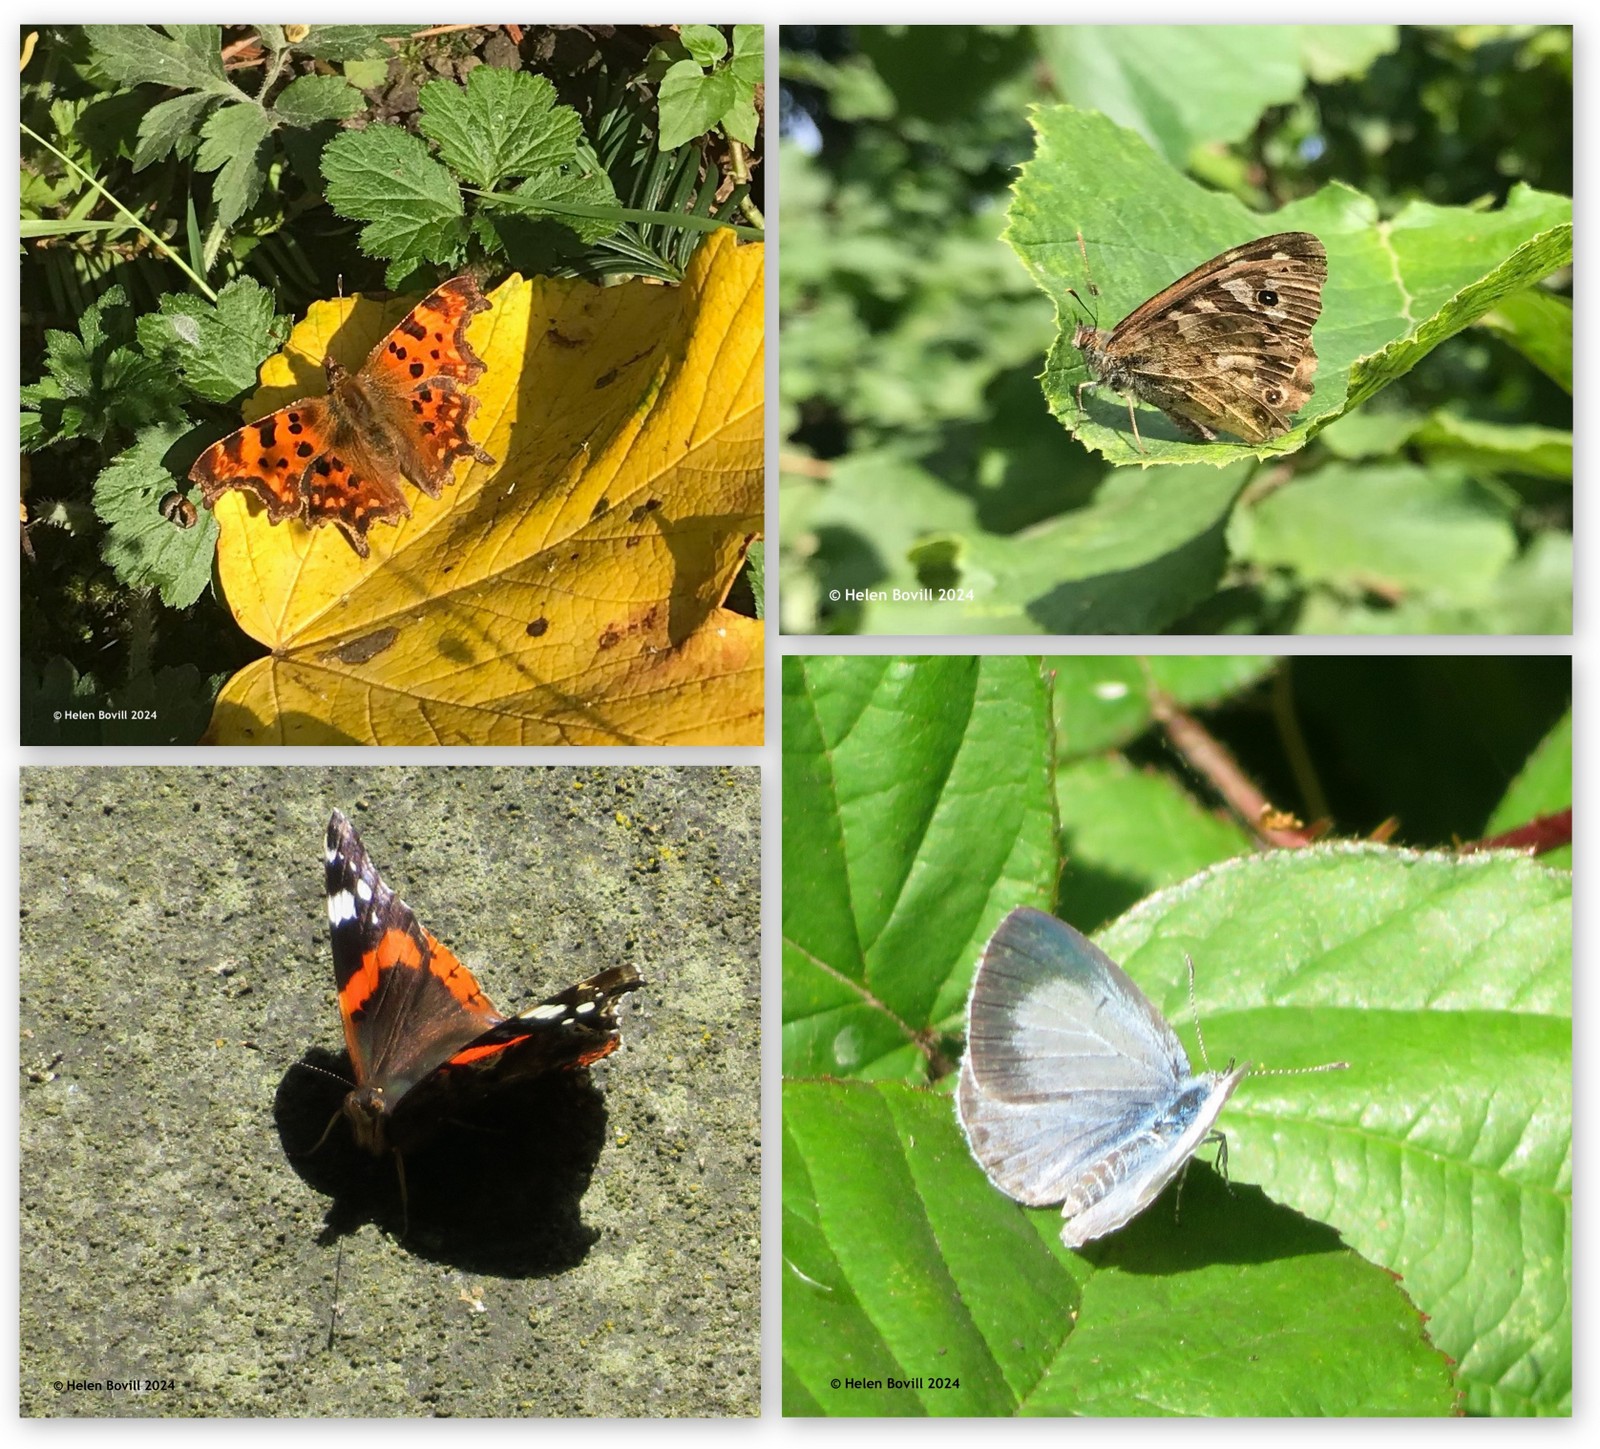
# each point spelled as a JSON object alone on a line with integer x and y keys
{"x": 339, "y": 458}
{"x": 420, "y": 1031}
{"x": 1226, "y": 348}
{"x": 1074, "y": 1089}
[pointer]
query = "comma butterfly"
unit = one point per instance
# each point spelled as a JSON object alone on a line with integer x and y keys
{"x": 339, "y": 458}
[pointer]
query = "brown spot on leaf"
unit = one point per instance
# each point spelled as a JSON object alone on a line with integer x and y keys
{"x": 538, "y": 628}
{"x": 368, "y": 646}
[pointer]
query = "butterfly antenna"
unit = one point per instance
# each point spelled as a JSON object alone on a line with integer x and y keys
{"x": 1200, "y": 1036}
{"x": 1088, "y": 280}
{"x": 323, "y": 1072}
{"x": 1298, "y": 1071}
{"x": 1194, "y": 1012}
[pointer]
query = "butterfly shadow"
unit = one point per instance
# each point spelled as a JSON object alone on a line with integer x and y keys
{"x": 1211, "y": 1222}
{"x": 497, "y": 1188}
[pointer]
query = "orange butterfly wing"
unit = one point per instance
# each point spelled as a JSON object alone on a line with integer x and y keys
{"x": 339, "y": 458}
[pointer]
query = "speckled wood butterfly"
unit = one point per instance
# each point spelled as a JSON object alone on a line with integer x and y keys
{"x": 1226, "y": 348}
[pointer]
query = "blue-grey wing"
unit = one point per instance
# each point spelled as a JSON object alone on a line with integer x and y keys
{"x": 1051, "y": 1014}
{"x": 1066, "y": 1150}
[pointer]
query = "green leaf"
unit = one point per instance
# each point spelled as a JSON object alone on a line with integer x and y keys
{"x": 366, "y": 74}
{"x": 1480, "y": 448}
{"x": 143, "y": 549}
{"x": 171, "y": 127}
{"x": 313, "y": 98}
{"x": 893, "y": 770}
{"x": 705, "y": 43}
{"x": 1539, "y": 325}
{"x": 1454, "y": 266}
{"x": 692, "y": 103}
{"x": 756, "y": 572}
{"x": 740, "y": 120}
{"x": 503, "y": 123}
{"x": 899, "y": 1257}
{"x": 1447, "y": 984}
{"x": 529, "y": 223}
{"x": 749, "y": 60}
{"x": 230, "y": 132}
{"x": 1127, "y": 832}
{"x": 1393, "y": 293}
{"x": 235, "y": 139}
{"x": 351, "y": 42}
{"x": 1230, "y": 73}
{"x": 184, "y": 57}
{"x": 1103, "y": 701}
{"x": 96, "y": 384}
{"x": 385, "y": 177}
{"x": 217, "y": 349}
{"x": 1543, "y": 787}
{"x": 1393, "y": 529}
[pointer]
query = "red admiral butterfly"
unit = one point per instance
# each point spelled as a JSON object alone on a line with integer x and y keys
{"x": 418, "y": 1026}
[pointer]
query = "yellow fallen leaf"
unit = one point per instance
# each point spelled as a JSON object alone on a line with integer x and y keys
{"x": 570, "y": 594}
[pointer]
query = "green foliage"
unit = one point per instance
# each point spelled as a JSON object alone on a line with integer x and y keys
{"x": 498, "y": 127}
{"x": 1544, "y": 787}
{"x": 62, "y": 707}
{"x": 216, "y": 348}
{"x": 187, "y": 191}
{"x": 920, "y": 455}
{"x": 224, "y": 129}
{"x": 704, "y": 84}
{"x": 924, "y": 798}
{"x": 96, "y": 384}
{"x": 141, "y": 547}
{"x": 1231, "y": 74}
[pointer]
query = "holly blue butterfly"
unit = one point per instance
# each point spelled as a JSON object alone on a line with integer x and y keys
{"x": 1074, "y": 1089}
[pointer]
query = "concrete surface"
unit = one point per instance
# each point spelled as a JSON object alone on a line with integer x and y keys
{"x": 582, "y": 1246}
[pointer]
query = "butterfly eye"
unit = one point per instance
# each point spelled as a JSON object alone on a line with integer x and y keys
{"x": 1267, "y": 297}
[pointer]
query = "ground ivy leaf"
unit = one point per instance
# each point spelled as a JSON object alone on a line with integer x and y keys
{"x": 692, "y": 102}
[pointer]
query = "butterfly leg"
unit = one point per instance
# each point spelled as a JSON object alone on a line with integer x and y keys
{"x": 1221, "y": 1139}
{"x": 405, "y": 1199}
{"x": 1138, "y": 442}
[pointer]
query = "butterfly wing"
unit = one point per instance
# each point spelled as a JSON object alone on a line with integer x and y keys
{"x": 1074, "y": 1089}
{"x": 413, "y": 386}
{"x": 1228, "y": 347}
{"x": 574, "y": 1028}
{"x": 1050, "y": 1012}
{"x": 269, "y": 458}
{"x": 407, "y": 1003}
